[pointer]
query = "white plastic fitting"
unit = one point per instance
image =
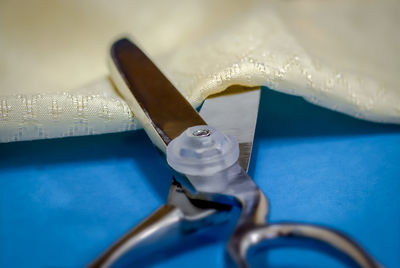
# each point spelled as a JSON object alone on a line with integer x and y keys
{"x": 202, "y": 150}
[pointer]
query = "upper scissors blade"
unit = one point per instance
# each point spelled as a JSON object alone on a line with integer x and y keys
{"x": 162, "y": 110}
{"x": 234, "y": 112}
{"x": 165, "y": 114}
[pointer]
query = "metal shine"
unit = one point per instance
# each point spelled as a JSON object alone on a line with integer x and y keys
{"x": 206, "y": 199}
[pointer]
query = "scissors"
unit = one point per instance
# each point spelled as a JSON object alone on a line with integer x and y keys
{"x": 209, "y": 156}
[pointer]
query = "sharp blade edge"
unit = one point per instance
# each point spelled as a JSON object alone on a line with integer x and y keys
{"x": 158, "y": 105}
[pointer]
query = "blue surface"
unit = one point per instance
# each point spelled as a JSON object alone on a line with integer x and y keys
{"x": 63, "y": 201}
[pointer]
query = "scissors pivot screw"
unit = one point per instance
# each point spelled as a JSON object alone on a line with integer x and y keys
{"x": 202, "y": 132}
{"x": 202, "y": 150}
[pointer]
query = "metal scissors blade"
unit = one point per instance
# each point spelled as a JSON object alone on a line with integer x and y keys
{"x": 165, "y": 115}
{"x": 158, "y": 105}
{"x": 179, "y": 213}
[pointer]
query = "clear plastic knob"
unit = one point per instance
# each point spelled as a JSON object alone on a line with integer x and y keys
{"x": 202, "y": 150}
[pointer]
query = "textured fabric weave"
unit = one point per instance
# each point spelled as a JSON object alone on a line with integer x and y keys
{"x": 342, "y": 55}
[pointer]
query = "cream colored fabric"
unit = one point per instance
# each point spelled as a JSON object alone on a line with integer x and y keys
{"x": 342, "y": 55}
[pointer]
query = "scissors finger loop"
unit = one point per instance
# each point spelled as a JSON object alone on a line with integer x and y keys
{"x": 294, "y": 234}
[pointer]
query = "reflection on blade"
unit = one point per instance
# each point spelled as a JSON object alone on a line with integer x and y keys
{"x": 160, "y": 108}
{"x": 234, "y": 112}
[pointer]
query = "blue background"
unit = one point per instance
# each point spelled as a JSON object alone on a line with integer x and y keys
{"x": 63, "y": 201}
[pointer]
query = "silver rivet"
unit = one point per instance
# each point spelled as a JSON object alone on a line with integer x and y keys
{"x": 202, "y": 132}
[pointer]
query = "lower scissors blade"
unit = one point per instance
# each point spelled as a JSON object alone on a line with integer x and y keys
{"x": 234, "y": 112}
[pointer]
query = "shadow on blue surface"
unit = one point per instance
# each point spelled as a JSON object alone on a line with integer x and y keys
{"x": 290, "y": 117}
{"x": 286, "y": 116}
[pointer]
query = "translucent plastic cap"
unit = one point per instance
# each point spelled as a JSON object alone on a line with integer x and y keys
{"x": 202, "y": 150}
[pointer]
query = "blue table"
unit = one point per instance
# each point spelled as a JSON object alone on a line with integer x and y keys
{"x": 63, "y": 201}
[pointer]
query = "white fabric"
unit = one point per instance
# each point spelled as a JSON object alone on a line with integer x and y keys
{"x": 342, "y": 55}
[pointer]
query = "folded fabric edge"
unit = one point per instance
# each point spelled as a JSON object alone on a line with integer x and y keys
{"x": 95, "y": 109}
{"x": 98, "y": 108}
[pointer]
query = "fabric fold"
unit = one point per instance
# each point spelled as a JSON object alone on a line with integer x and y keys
{"x": 203, "y": 48}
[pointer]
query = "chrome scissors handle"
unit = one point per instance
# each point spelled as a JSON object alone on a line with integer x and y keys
{"x": 180, "y": 218}
{"x": 300, "y": 235}
{"x": 167, "y": 225}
